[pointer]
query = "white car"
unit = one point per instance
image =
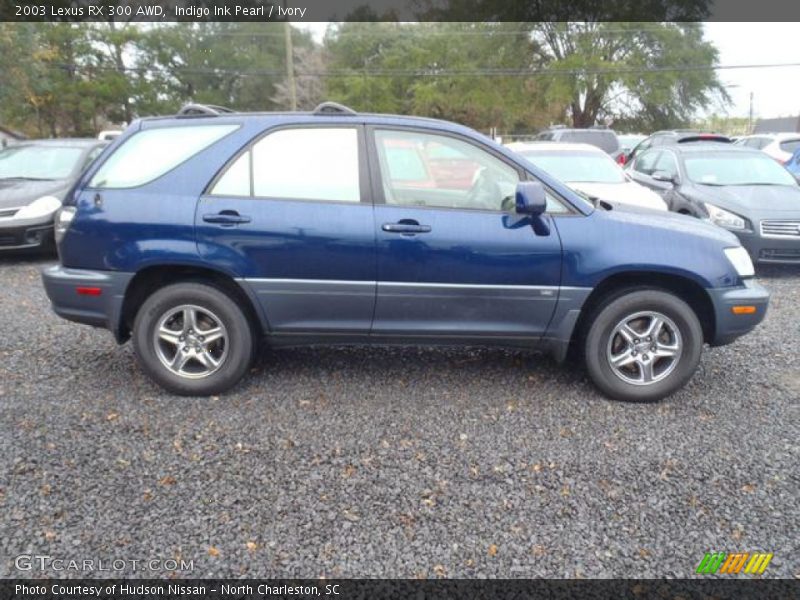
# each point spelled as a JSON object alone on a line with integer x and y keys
{"x": 779, "y": 146}
{"x": 588, "y": 170}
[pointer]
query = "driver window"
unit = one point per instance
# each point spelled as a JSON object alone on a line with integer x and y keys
{"x": 666, "y": 162}
{"x": 421, "y": 169}
{"x": 646, "y": 162}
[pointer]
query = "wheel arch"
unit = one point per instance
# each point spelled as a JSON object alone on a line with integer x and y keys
{"x": 685, "y": 288}
{"x": 153, "y": 277}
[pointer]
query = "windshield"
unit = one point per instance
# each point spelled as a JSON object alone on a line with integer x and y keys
{"x": 38, "y": 162}
{"x": 736, "y": 169}
{"x": 577, "y": 167}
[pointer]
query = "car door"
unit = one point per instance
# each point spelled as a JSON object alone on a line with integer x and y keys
{"x": 291, "y": 216}
{"x": 454, "y": 260}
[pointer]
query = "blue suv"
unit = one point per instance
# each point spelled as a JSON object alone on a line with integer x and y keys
{"x": 198, "y": 235}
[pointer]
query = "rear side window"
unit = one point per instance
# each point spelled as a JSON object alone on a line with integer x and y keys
{"x": 297, "y": 164}
{"x": 149, "y": 154}
{"x": 790, "y": 145}
{"x": 605, "y": 140}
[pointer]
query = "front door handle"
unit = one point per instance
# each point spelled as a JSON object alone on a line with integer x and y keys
{"x": 226, "y": 217}
{"x": 406, "y": 227}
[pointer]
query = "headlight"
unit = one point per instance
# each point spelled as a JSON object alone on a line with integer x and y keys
{"x": 62, "y": 222}
{"x": 723, "y": 218}
{"x": 740, "y": 260}
{"x": 46, "y": 205}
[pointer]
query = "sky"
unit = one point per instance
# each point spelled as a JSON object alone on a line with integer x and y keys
{"x": 776, "y": 91}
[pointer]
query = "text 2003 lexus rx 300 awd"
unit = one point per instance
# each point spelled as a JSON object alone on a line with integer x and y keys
{"x": 198, "y": 234}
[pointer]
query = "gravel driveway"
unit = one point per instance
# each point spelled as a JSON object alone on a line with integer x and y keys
{"x": 393, "y": 462}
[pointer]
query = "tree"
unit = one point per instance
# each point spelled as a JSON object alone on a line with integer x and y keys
{"x": 654, "y": 74}
{"x": 476, "y": 73}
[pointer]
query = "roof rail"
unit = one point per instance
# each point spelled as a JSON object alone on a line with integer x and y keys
{"x": 333, "y": 108}
{"x": 200, "y": 110}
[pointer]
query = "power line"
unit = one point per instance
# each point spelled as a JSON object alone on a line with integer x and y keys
{"x": 425, "y": 72}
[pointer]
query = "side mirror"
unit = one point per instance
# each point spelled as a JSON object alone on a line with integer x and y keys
{"x": 530, "y": 198}
{"x": 663, "y": 176}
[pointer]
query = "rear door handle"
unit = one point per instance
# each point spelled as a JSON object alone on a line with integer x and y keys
{"x": 226, "y": 217}
{"x": 405, "y": 228}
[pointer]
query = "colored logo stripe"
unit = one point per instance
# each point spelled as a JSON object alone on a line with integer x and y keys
{"x": 758, "y": 563}
{"x": 711, "y": 562}
{"x": 733, "y": 563}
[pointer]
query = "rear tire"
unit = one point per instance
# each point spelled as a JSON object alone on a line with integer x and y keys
{"x": 642, "y": 345}
{"x": 193, "y": 339}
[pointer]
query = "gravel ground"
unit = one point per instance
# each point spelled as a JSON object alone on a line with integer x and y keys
{"x": 393, "y": 462}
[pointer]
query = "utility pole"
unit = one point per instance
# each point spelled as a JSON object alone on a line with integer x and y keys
{"x": 750, "y": 117}
{"x": 287, "y": 31}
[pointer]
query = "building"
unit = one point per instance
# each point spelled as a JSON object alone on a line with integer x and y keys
{"x": 779, "y": 125}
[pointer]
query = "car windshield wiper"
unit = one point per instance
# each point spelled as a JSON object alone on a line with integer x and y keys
{"x": 20, "y": 178}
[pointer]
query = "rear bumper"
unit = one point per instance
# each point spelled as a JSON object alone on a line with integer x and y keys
{"x": 101, "y": 310}
{"x": 730, "y": 326}
{"x": 779, "y": 250}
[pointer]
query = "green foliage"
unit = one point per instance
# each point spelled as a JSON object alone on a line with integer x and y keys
{"x": 645, "y": 75}
{"x": 74, "y": 79}
{"x": 446, "y": 70}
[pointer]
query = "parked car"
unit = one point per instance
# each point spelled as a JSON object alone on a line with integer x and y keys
{"x": 600, "y": 137}
{"x": 779, "y": 146}
{"x": 200, "y": 234}
{"x": 672, "y": 137}
{"x": 737, "y": 188}
{"x": 628, "y": 141}
{"x": 793, "y": 164}
{"x": 34, "y": 178}
{"x": 590, "y": 171}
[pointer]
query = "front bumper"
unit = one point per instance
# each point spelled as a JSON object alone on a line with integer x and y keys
{"x": 25, "y": 235}
{"x": 101, "y": 310}
{"x": 780, "y": 250}
{"x": 729, "y": 325}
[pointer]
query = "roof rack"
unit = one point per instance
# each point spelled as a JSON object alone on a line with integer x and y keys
{"x": 199, "y": 110}
{"x": 333, "y": 108}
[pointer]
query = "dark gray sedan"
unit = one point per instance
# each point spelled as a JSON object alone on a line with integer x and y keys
{"x": 742, "y": 190}
{"x": 34, "y": 178}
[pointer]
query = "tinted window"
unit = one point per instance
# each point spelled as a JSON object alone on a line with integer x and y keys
{"x": 736, "y": 169}
{"x": 421, "y": 169}
{"x": 236, "y": 181}
{"x": 405, "y": 164}
{"x": 790, "y": 145}
{"x": 666, "y": 162}
{"x": 605, "y": 140}
{"x": 149, "y": 154}
{"x": 646, "y": 162}
{"x": 38, "y": 162}
{"x": 644, "y": 145}
{"x": 309, "y": 164}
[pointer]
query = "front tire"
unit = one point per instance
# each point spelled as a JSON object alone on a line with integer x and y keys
{"x": 193, "y": 339}
{"x": 643, "y": 345}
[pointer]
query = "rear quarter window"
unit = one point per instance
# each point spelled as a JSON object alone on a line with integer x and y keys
{"x": 790, "y": 145}
{"x": 149, "y": 154}
{"x": 605, "y": 140}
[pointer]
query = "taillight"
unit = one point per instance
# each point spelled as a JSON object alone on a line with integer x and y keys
{"x": 63, "y": 219}
{"x": 622, "y": 159}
